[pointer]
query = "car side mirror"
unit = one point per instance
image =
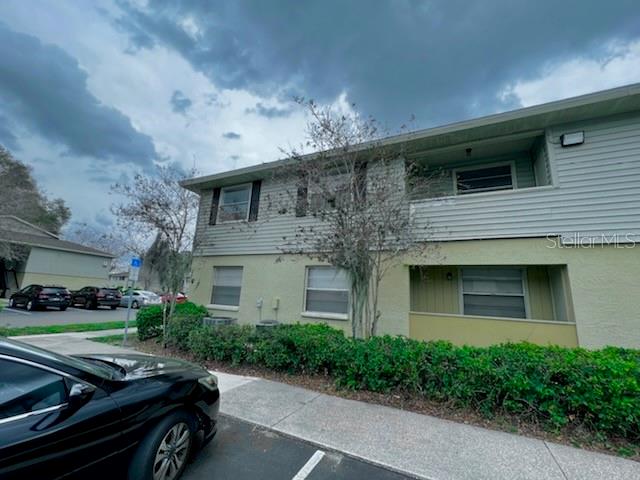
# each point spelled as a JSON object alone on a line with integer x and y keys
{"x": 79, "y": 394}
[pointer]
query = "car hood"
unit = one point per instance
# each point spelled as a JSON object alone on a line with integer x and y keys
{"x": 144, "y": 366}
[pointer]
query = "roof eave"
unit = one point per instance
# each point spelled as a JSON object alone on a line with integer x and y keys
{"x": 609, "y": 100}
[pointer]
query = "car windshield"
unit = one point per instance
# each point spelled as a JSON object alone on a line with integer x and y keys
{"x": 99, "y": 370}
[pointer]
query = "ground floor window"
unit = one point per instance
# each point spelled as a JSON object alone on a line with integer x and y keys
{"x": 227, "y": 283}
{"x": 326, "y": 290}
{"x": 494, "y": 292}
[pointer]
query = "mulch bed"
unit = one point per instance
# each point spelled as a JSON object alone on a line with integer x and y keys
{"x": 576, "y": 437}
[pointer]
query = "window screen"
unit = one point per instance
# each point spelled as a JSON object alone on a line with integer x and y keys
{"x": 493, "y": 292}
{"x": 486, "y": 179}
{"x": 234, "y": 203}
{"x": 227, "y": 283}
{"x": 327, "y": 290}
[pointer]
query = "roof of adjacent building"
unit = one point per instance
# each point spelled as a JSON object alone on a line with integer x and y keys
{"x": 599, "y": 104}
{"x": 18, "y": 231}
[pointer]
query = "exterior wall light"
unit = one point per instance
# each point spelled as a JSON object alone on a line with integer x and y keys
{"x": 571, "y": 139}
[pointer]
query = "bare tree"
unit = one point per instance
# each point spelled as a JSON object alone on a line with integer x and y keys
{"x": 156, "y": 206}
{"x": 351, "y": 204}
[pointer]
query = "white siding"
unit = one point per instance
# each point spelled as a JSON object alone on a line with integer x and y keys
{"x": 265, "y": 235}
{"x": 596, "y": 192}
{"x": 273, "y": 230}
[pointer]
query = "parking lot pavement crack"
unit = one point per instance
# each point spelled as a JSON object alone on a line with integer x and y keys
{"x": 304, "y": 404}
{"x": 555, "y": 460}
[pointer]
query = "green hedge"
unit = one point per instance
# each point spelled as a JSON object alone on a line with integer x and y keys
{"x": 557, "y": 386}
{"x": 149, "y": 319}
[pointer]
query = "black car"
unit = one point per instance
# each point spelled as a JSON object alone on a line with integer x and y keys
{"x": 71, "y": 415}
{"x": 94, "y": 297}
{"x": 36, "y": 296}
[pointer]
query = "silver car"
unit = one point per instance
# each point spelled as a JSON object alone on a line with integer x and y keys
{"x": 140, "y": 298}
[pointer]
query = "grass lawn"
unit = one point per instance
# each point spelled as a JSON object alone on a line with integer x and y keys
{"x": 72, "y": 327}
{"x": 110, "y": 339}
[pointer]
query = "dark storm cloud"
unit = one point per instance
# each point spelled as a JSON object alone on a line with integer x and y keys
{"x": 43, "y": 88}
{"x": 179, "y": 102}
{"x": 439, "y": 60}
{"x": 269, "y": 112}
{"x": 232, "y": 135}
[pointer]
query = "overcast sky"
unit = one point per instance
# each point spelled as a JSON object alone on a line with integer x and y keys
{"x": 93, "y": 91}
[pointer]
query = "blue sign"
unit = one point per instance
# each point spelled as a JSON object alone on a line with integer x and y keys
{"x": 136, "y": 262}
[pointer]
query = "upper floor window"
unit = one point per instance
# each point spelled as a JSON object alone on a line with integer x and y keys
{"x": 327, "y": 290}
{"x": 484, "y": 179}
{"x": 234, "y": 203}
{"x": 493, "y": 292}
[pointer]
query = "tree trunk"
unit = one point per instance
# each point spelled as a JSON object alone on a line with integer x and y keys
{"x": 360, "y": 294}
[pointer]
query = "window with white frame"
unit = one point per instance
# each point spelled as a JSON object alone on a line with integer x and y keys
{"x": 494, "y": 292}
{"x": 484, "y": 179}
{"x": 227, "y": 284}
{"x": 234, "y": 203}
{"x": 327, "y": 290}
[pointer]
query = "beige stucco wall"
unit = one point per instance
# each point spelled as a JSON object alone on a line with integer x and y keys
{"x": 467, "y": 330}
{"x": 603, "y": 281}
{"x": 282, "y": 277}
{"x": 69, "y": 269}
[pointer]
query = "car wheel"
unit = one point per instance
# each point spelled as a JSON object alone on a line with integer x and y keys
{"x": 165, "y": 451}
{"x": 30, "y": 306}
{"x": 87, "y": 304}
{"x": 113, "y": 307}
{"x": 135, "y": 304}
{"x": 62, "y": 309}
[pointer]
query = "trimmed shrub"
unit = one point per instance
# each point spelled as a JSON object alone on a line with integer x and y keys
{"x": 149, "y": 322}
{"x": 180, "y": 326}
{"x": 224, "y": 343}
{"x": 597, "y": 389}
{"x": 149, "y": 319}
{"x": 307, "y": 348}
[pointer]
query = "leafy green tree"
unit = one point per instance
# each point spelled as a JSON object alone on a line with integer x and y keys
{"x": 20, "y": 196}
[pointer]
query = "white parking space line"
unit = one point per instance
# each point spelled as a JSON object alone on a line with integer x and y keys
{"x": 309, "y": 466}
{"x": 13, "y": 310}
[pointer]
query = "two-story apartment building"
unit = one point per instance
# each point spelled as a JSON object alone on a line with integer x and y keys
{"x": 537, "y": 222}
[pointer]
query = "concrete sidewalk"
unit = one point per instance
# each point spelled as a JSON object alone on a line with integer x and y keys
{"x": 418, "y": 445}
{"x": 77, "y": 342}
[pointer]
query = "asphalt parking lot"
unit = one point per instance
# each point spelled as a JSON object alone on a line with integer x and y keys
{"x": 18, "y": 317}
{"x": 243, "y": 451}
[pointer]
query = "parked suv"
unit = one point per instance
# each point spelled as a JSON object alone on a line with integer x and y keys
{"x": 94, "y": 297}
{"x": 35, "y": 296}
